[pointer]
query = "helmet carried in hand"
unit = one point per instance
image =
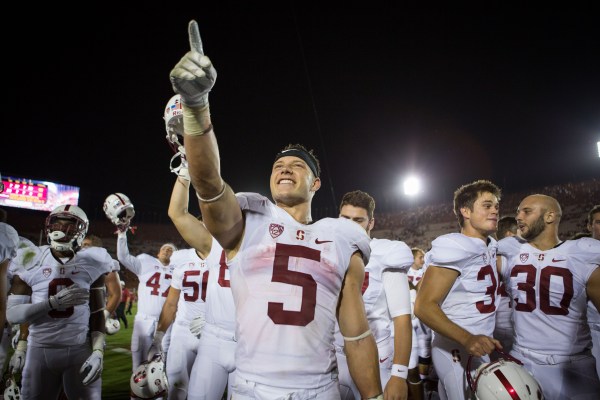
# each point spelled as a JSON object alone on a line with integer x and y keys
{"x": 118, "y": 209}
{"x": 149, "y": 380}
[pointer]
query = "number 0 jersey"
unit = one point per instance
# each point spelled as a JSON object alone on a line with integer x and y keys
{"x": 470, "y": 303}
{"x": 47, "y": 276}
{"x": 549, "y": 293}
{"x": 286, "y": 280}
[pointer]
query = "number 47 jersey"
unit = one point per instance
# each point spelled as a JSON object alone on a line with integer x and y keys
{"x": 549, "y": 293}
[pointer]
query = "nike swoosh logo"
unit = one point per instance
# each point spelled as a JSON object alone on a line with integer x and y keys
{"x": 380, "y": 360}
{"x": 317, "y": 241}
{"x": 558, "y": 259}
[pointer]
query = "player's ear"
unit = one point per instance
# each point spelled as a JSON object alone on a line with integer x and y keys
{"x": 316, "y": 185}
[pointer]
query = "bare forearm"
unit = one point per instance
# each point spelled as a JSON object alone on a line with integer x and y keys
{"x": 363, "y": 365}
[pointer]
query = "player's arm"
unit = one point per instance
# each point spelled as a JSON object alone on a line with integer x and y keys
{"x": 359, "y": 344}
{"x": 191, "y": 229}
{"x": 129, "y": 261}
{"x": 193, "y": 78}
{"x": 91, "y": 369}
{"x": 435, "y": 285}
{"x": 593, "y": 288}
{"x": 397, "y": 294}
{"x": 3, "y": 293}
{"x": 113, "y": 291}
{"x": 167, "y": 316}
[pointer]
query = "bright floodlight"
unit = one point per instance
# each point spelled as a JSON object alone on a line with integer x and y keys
{"x": 598, "y": 144}
{"x": 412, "y": 186}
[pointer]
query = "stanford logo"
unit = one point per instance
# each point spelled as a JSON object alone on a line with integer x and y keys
{"x": 46, "y": 272}
{"x": 275, "y": 230}
{"x": 524, "y": 257}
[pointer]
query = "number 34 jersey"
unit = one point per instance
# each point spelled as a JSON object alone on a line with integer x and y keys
{"x": 286, "y": 280}
{"x": 549, "y": 293}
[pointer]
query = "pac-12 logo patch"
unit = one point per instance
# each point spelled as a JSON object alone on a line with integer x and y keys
{"x": 275, "y": 230}
{"x": 46, "y": 272}
{"x": 524, "y": 257}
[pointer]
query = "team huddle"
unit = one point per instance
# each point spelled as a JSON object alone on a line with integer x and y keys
{"x": 268, "y": 304}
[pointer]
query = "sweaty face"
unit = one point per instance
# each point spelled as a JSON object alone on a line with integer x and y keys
{"x": 484, "y": 216}
{"x": 530, "y": 219}
{"x": 291, "y": 181}
{"x": 356, "y": 214}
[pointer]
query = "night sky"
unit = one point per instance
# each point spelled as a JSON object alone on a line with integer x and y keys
{"x": 507, "y": 93}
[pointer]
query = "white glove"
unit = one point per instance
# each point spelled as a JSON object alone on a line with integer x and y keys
{"x": 17, "y": 361}
{"x": 16, "y": 334}
{"x": 92, "y": 367}
{"x": 70, "y": 296}
{"x": 197, "y": 324}
{"x": 156, "y": 346}
{"x": 194, "y": 75}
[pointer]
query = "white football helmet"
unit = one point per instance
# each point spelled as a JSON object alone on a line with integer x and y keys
{"x": 112, "y": 326}
{"x": 174, "y": 121}
{"x": 504, "y": 379}
{"x": 11, "y": 389}
{"x": 66, "y": 236}
{"x": 149, "y": 380}
{"x": 118, "y": 209}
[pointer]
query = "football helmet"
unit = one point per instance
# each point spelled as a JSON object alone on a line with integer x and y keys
{"x": 504, "y": 379}
{"x": 174, "y": 121}
{"x": 11, "y": 389}
{"x": 66, "y": 236}
{"x": 149, "y": 380}
{"x": 118, "y": 209}
{"x": 112, "y": 326}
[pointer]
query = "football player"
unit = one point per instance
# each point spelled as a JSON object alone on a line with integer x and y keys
{"x": 550, "y": 281}
{"x": 59, "y": 293}
{"x": 457, "y": 294}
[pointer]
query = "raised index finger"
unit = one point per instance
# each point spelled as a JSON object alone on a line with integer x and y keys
{"x": 194, "y": 34}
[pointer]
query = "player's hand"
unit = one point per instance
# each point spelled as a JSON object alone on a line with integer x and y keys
{"x": 68, "y": 297}
{"x": 16, "y": 335}
{"x": 194, "y": 75}
{"x": 17, "y": 361}
{"x": 156, "y": 347}
{"x": 92, "y": 367}
{"x": 197, "y": 325}
{"x": 396, "y": 389}
{"x": 480, "y": 345}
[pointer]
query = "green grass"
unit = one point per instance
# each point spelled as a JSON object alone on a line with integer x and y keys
{"x": 117, "y": 362}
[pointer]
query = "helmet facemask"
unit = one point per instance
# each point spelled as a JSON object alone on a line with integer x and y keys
{"x": 66, "y": 228}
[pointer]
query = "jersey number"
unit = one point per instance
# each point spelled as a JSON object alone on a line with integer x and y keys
{"x": 154, "y": 283}
{"x": 490, "y": 290}
{"x": 195, "y": 285}
{"x": 529, "y": 287}
{"x": 55, "y": 286}
{"x": 282, "y": 274}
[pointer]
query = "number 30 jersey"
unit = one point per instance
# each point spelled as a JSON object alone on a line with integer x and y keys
{"x": 549, "y": 293}
{"x": 286, "y": 280}
{"x": 471, "y": 301}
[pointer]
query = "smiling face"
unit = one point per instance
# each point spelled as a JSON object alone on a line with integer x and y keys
{"x": 292, "y": 181}
{"x": 482, "y": 220}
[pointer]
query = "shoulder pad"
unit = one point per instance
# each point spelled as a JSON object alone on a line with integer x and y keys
{"x": 588, "y": 248}
{"x": 453, "y": 247}
{"x": 252, "y": 202}
{"x": 510, "y": 245}
{"x": 393, "y": 254}
{"x": 28, "y": 253}
{"x": 353, "y": 231}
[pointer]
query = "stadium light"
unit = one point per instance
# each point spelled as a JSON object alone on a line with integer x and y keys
{"x": 411, "y": 186}
{"x": 598, "y": 144}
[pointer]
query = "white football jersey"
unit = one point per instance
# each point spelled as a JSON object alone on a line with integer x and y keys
{"x": 386, "y": 255}
{"x": 549, "y": 293}
{"x": 190, "y": 277}
{"x": 286, "y": 280}
{"x": 154, "y": 278}
{"x": 220, "y": 308}
{"x": 415, "y": 275}
{"x": 47, "y": 276}
{"x": 471, "y": 301}
{"x": 9, "y": 241}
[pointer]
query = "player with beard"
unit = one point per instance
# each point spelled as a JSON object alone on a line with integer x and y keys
{"x": 550, "y": 282}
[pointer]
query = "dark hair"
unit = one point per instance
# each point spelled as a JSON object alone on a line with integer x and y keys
{"x": 358, "y": 198}
{"x": 309, "y": 157}
{"x": 466, "y": 195}
{"x": 506, "y": 224}
{"x": 594, "y": 210}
